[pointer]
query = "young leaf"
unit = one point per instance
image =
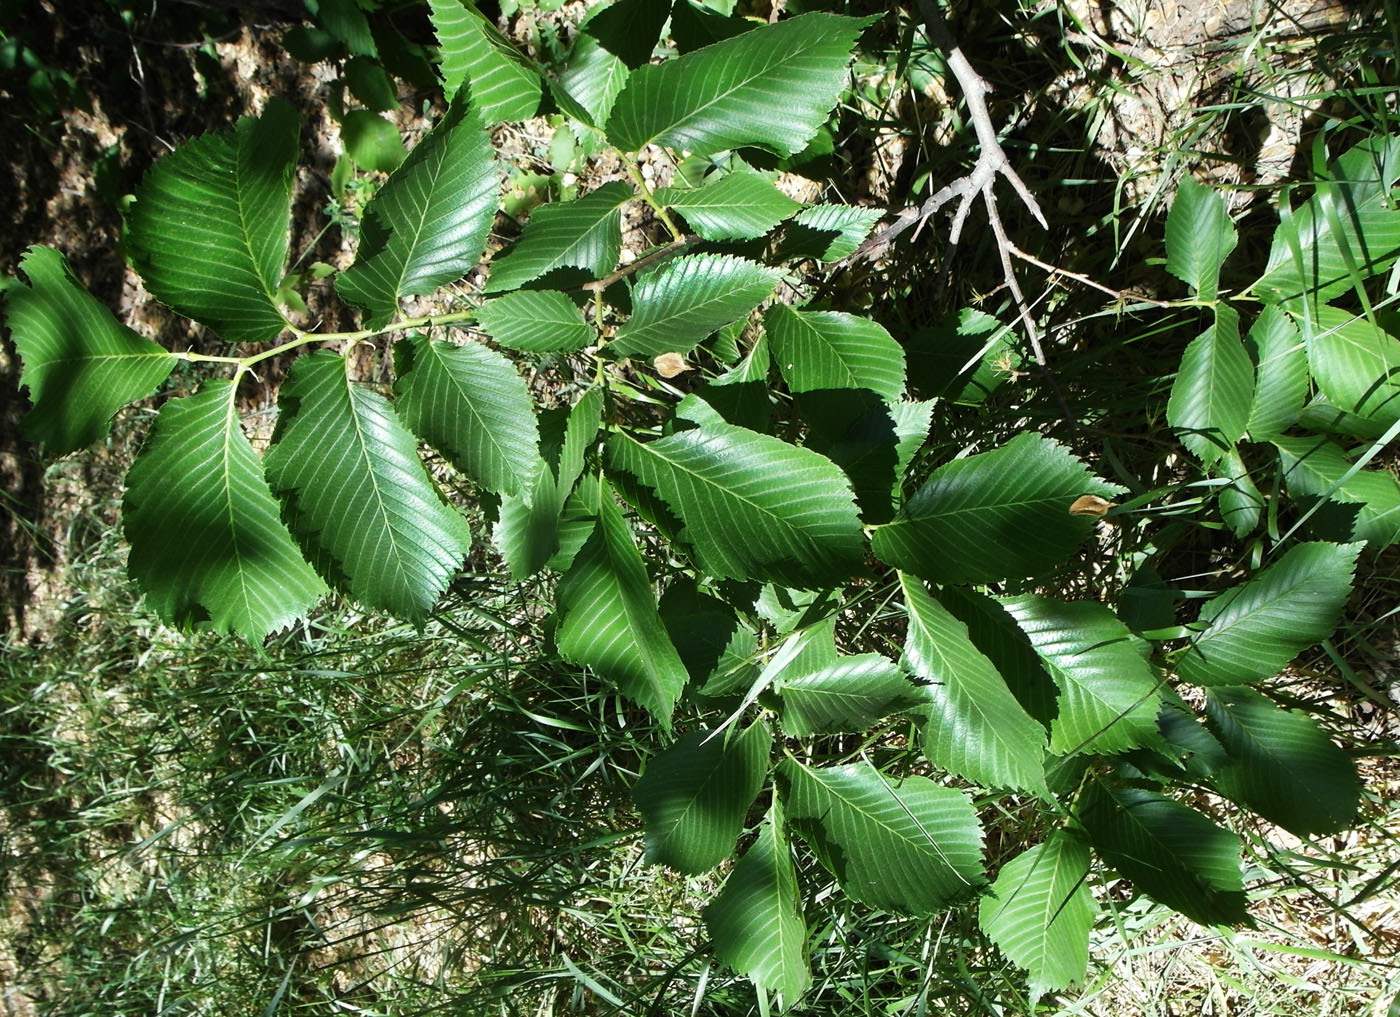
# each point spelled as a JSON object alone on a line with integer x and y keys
{"x": 975, "y": 727}
{"x": 1253, "y": 630}
{"x": 357, "y": 494}
{"x": 1356, "y": 364}
{"x": 756, "y": 921}
{"x": 1350, "y": 212}
{"x": 428, "y": 224}
{"x": 831, "y": 349}
{"x": 829, "y": 232}
{"x": 908, "y": 846}
{"x": 849, "y": 694}
{"x": 686, "y": 299}
{"x": 584, "y": 233}
{"x": 737, "y": 206}
{"x": 721, "y": 481}
{"x": 536, "y": 321}
{"x": 1001, "y": 514}
{"x": 771, "y": 87}
{"x": 1368, "y": 501}
{"x": 1281, "y": 379}
{"x": 469, "y": 403}
{"x": 1040, "y": 910}
{"x": 504, "y": 84}
{"x": 609, "y": 620}
{"x": 344, "y": 20}
{"x": 1281, "y": 764}
{"x": 207, "y": 543}
{"x": 80, "y": 364}
{"x": 1200, "y": 236}
{"x": 1109, "y": 696}
{"x": 208, "y": 232}
{"x": 1213, "y": 390}
{"x": 1173, "y": 854}
{"x": 694, "y": 796}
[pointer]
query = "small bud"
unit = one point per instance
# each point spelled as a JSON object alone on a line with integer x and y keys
{"x": 668, "y": 365}
{"x": 1091, "y": 505}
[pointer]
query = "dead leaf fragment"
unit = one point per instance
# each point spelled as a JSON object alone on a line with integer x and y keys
{"x": 668, "y": 365}
{"x": 1091, "y": 505}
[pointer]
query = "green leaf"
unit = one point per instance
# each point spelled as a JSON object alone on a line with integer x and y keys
{"x": 756, "y": 921}
{"x": 1173, "y": 854}
{"x": 80, "y": 364}
{"x": 585, "y": 233}
{"x": 208, "y": 232}
{"x": 345, "y": 21}
{"x": 527, "y": 530}
{"x": 631, "y": 29}
{"x": 975, "y": 727}
{"x": 469, "y": 403}
{"x": 740, "y": 395}
{"x": 1213, "y": 390}
{"x": 1200, "y": 236}
{"x": 1252, "y": 630}
{"x": 771, "y": 87}
{"x": 683, "y": 301}
{"x": 963, "y": 357}
{"x": 831, "y": 349}
{"x": 754, "y": 507}
{"x": 706, "y": 632}
{"x": 1241, "y": 504}
{"x": 737, "y": 206}
{"x": 536, "y": 321}
{"x": 1040, "y": 910}
{"x": 504, "y": 84}
{"x": 372, "y": 141}
{"x": 1281, "y": 764}
{"x": 1002, "y": 514}
{"x": 1350, "y": 218}
{"x": 871, "y": 440}
{"x": 908, "y": 846}
{"x": 1356, "y": 364}
{"x": 694, "y": 796}
{"x": 1368, "y": 501}
{"x": 207, "y": 543}
{"x": 1281, "y": 379}
{"x": 829, "y": 232}
{"x": 1109, "y": 696}
{"x": 357, "y": 494}
{"x": 996, "y": 634}
{"x": 609, "y": 619}
{"x": 370, "y": 84}
{"x": 427, "y": 226}
{"x": 592, "y": 80}
{"x": 848, "y": 694}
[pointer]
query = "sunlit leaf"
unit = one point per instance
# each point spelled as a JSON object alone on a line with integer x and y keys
{"x": 753, "y": 506}
{"x": 1366, "y": 504}
{"x": 536, "y": 321}
{"x": 1281, "y": 765}
{"x": 908, "y": 846}
{"x": 1252, "y": 630}
{"x": 427, "y": 226}
{"x": 208, "y": 231}
{"x": 739, "y": 205}
{"x": 584, "y": 233}
{"x": 771, "y": 87}
{"x": 1199, "y": 237}
{"x": 360, "y": 501}
{"x": 694, "y": 796}
{"x": 1039, "y": 912}
{"x": 80, "y": 364}
{"x": 504, "y": 84}
{"x": 832, "y": 350}
{"x": 975, "y": 727}
{"x": 683, "y": 301}
{"x": 1214, "y": 388}
{"x": 756, "y": 921}
{"x": 207, "y": 542}
{"x": 1173, "y": 854}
